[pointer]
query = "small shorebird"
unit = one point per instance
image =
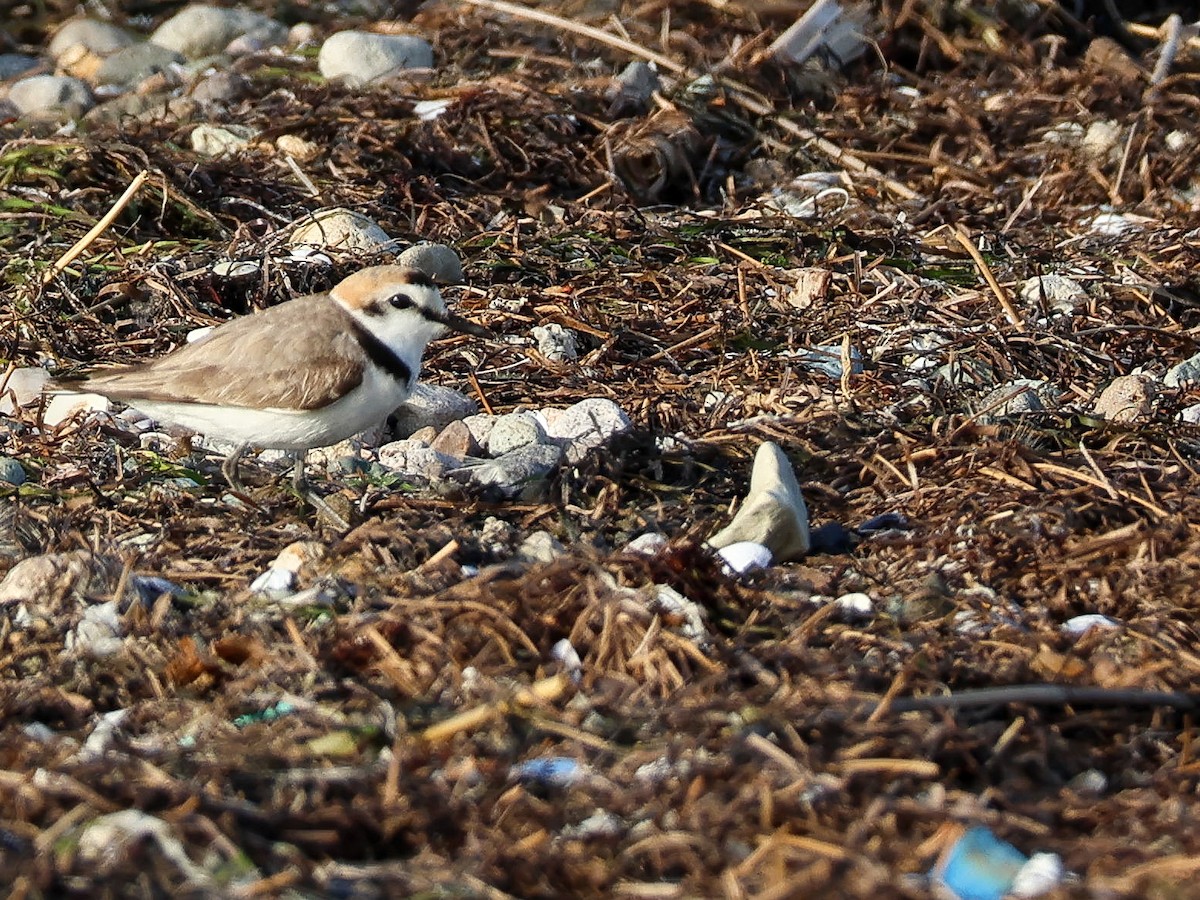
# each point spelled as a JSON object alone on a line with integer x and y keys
{"x": 306, "y": 373}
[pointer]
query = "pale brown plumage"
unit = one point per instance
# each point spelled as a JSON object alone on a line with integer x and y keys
{"x": 253, "y": 362}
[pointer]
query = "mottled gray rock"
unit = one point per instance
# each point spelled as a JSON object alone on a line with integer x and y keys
{"x": 13, "y": 64}
{"x": 1023, "y": 395}
{"x": 50, "y": 97}
{"x": 1126, "y": 398}
{"x": 556, "y": 343}
{"x": 513, "y": 430}
{"x": 432, "y": 405}
{"x": 540, "y": 547}
{"x": 587, "y": 425}
{"x": 11, "y": 471}
{"x": 220, "y": 87}
{"x": 202, "y": 30}
{"x": 774, "y": 513}
{"x": 360, "y": 57}
{"x": 437, "y": 261}
{"x": 341, "y": 229}
{"x": 131, "y": 65}
{"x": 632, "y": 89}
{"x": 515, "y": 471}
{"x": 1184, "y": 374}
{"x": 220, "y": 140}
{"x": 415, "y": 458}
{"x": 1059, "y": 293}
{"x": 480, "y": 427}
{"x": 101, "y": 38}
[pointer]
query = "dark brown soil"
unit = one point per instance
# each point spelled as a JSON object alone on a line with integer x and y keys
{"x": 776, "y": 757}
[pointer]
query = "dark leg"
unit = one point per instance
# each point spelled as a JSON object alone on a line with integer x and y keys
{"x": 298, "y": 480}
{"x": 229, "y": 468}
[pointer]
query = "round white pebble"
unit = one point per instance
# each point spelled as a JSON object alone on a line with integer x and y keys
{"x": 743, "y": 557}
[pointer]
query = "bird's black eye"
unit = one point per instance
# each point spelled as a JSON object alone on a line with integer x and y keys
{"x": 400, "y": 301}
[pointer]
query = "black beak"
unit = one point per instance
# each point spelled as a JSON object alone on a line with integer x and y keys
{"x": 458, "y": 323}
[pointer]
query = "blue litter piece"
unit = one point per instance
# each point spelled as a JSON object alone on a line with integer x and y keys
{"x": 979, "y": 866}
{"x": 555, "y": 771}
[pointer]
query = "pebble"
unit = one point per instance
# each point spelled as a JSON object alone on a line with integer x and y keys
{"x": 425, "y": 436}
{"x": 1014, "y": 398}
{"x": 13, "y": 64}
{"x": 229, "y": 268}
{"x": 220, "y": 140}
{"x": 224, "y": 88}
{"x": 480, "y": 427}
{"x": 633, "y": 89}
{"x": 649, "y": 544}
{"x": 341, "y": 229}
{"x": 513, "y": 430}
{"x": 133, "y": 64}
{"x": 855, "y": 607}
{"x": 11, "y": 471}
{"x": 513, "y": 472}
{"x": 438, "y": 261}
{"x": 201, "y": 30}
{"x": 587, "y": 425}
{"x": 456, "y": 440}
{"x": 432, "y": 404}
{"x": 1059, "y": 293}
{"x": 297, "y": 147}
{"x": 774, "y": 513}
{"x": 556, "y": 343}
{"x": 1184, "y": 374}
{"x": 62, "y": 406}
{"x": 51, "y": 97}
{"x": 1079, "y": 625}
{"x": 98, "y": 37}
{"x": 415, "y": 458}
{"x": 359, "y": 57}
{"x": 1126, "y": 398}
{"x": 744, "y": 556}
{"x": 24, "y": 386}
{"x": 540, "y": 547}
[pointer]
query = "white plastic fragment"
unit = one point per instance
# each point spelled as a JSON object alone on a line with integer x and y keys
{"x": 744, "y": 556}
{"x": 1042, "y": 874}
{"x": 98, "y": 633}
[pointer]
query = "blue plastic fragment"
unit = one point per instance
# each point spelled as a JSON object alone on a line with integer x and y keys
{"x": 883, "y": 522}
{"x": 979, "y": 866}
{"x": 554, "y": 771}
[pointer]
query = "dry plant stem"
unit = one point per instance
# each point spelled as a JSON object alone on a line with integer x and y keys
{"x": 547, "y": 689}
{"x": 737, "y": 92}
{"x": 1047, "y": 695}
{"x": 84, "y": 242}
{"x": 980, "y": 263}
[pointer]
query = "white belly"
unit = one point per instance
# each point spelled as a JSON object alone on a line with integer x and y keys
{"x": 287, "y": 429}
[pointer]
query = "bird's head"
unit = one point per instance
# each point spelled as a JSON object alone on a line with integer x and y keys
{"x": 401, "y": 306}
